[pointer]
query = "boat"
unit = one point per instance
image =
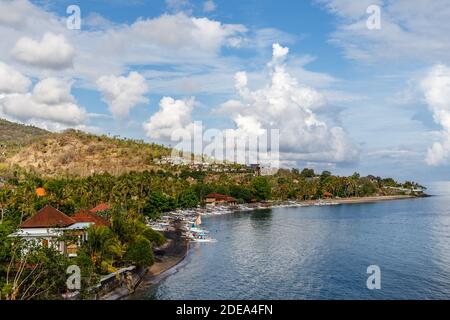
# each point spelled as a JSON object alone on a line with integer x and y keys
{"x": 200, "y": 237}
{"x": 159, "y": 226}
{"x": 204, "y": 240}
{"x": 197, "y": 234}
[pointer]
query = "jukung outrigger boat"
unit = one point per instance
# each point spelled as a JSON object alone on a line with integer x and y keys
{"x": 197, "y": 234}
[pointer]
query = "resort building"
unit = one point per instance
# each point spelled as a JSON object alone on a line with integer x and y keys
{"x": 50, "y": 227}
{"x": 214, "y": 199}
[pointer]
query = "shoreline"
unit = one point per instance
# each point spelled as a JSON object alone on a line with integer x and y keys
{"x": 164, "y": 268}
{"x": 352, "y": 200}
{"x": 167, "y": 258}
{"x": 320, "y": 202}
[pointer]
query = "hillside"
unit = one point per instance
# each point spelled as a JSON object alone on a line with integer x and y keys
{"x": 14, "y": 136}
{"x": 76, "y": 153}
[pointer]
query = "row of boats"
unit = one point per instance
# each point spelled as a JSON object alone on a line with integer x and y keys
{"x": 195, "y": 233}
{"x": 191, "y": 219}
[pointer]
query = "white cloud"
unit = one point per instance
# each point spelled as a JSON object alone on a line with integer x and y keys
{"x": 10, "y": 17}
{"x": 209, "y": 6}
{"x": 194, "y": 36}
{"x": 174, "y": 116}
{"x": 412, "y": 29}
{"x": 178, "y": 41}
{"x": 49, "y": 102}
{"x": 12, "y": 81}
{"x": 53, "y": 51}
{"x": 53, "y": 91}
{"x": 123, "y": 93}
{"x": 436, "y": 88}
{"x": 286, "y": 105}
{"x": 179, "y": 5}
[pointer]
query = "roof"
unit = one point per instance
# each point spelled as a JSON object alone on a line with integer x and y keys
{"x": 79, "y": 226}
{"x": 48, "y": 217}
{"x": 100, "y": 208}
{"x": 216, "y": 196}
{"x": 88, "y": 216}
{"x": 219, "y": 196}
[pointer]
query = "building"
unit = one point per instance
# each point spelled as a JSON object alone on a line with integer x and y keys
{"x": 268, "y": 171}
{"x": 50, "y": 227}
{"x": 255, "y": 168}
{"x": 101, "y": 208}
{"x": 214, "y": 199}
{"x": 327, "y": 195}
{"x": 88, "y": 216}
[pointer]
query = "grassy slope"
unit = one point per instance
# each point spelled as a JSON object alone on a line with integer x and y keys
{"x": 76, "y": 153}
{"x": 14, "y": 136}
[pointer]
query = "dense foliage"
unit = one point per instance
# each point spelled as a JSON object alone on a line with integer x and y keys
{"x": 37, "y": 273}
{"x": 136, "y": 197}
{"x": 151, "y": 193}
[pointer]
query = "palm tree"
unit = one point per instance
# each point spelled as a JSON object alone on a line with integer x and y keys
{"x": 103, "y": 247}
{"x": 4, "y": 195}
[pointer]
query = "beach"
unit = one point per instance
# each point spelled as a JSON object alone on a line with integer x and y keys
{"x": 361, "y": 199}
{"x": 166, "y": 257}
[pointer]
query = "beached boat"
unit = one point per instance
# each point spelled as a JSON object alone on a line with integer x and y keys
{"x": 204, "y": 240}
{"x": 197, "y": 234}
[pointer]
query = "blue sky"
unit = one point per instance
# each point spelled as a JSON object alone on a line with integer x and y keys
{"x": 345, "y": 98}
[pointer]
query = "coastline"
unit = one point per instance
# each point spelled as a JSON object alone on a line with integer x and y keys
{"x": 362, "y": 199}
{"x": 178, "y": 248}
{"x": 167, "y": 258}
{"x": 330, "y": 201}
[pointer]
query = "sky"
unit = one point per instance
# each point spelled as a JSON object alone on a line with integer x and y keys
{"x": 348, "y": 89}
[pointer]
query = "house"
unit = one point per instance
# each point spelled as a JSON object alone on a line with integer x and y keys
{"x": 102, "y": 207}
{"x": 214, "y": 199}
{"x": 50, "y": 227}
{"x": 327, "y": 195}
{"x": 87, "y": 216}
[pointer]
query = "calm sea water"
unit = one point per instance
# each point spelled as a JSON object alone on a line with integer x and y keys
{"x": 321, "y": 253}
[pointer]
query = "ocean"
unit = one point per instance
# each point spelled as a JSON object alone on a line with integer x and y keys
{"x": 321, "y": 252}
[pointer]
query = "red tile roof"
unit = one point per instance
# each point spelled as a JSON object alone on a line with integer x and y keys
{"x": 88, "y": 216}
{"x": 100, "y": 208}
{"x": 219, "y": 197}
{"x": 48, "y": 217}
{"x": 216, "y": 196}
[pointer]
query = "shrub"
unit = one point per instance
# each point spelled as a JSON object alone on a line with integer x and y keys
{"x": 140, "y": 252}
{"x": 154, "y": 237}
